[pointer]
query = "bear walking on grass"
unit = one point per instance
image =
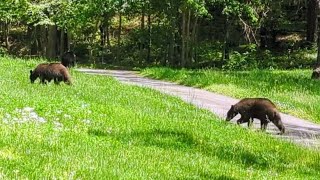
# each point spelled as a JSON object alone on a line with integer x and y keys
{"x": 260, "y": 108}
{"x": 47, "y": 72}
{"x": 68, "y": 59}
{"x": 316, "y": 73}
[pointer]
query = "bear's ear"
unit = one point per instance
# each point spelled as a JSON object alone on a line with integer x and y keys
{"x": 30, "y": 71}
{"x": 233, "y": 107}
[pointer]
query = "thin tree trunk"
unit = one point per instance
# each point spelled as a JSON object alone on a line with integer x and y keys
{"x": 102, "y": 35}
{"x": 43, "y": 40}
{"x": 225, "y": 53}
{"x": 149, "y": 39}
{"x": 31, "y": 39}
{"x": 194, "y": 39}
{"x": 183, "y": 39}
{"x": 312, "y": 12}
{"x": 37, "y": 36}
{"x": 172, "y": 39}
{"x": 318, "y": 55}
{"x": 187, "y": 51}
{"x": 102, "y": 28}
{"x": 67, "y": 40}
{"x": 62, "y": 43}
{"x": 108, "y": 34}
{"x": 6, "y": 34}
{"x": 119, "y": 36}
{"x": 52, "y": 42}
{"x": 142, "y": 41}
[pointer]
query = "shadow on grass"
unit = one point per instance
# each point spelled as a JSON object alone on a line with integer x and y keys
{"x": 183, "y": 141}
{"x": 96, "y": 132}
{"x": 160, "y": 138}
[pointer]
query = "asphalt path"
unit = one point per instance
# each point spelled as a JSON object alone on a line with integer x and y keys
{"x": 299, "y": 131}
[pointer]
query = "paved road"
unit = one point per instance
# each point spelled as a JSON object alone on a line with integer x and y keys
{"x": 297, "y": 130}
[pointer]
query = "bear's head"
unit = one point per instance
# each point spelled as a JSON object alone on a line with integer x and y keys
{"x": 231, "y": 113}
{"x": 32, "y": 76}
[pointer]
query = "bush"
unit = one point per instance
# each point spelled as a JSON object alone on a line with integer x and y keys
{"x": 3, "y": 51}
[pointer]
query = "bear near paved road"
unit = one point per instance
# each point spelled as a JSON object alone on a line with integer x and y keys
{"x": 259, "y": 108}
{"x": 47, "y": 72}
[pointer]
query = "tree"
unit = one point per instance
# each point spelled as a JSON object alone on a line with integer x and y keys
{"x": 10, "y": 12}
{"x": 312, "y": 12}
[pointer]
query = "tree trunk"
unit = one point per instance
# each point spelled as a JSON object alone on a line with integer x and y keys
{"x": 263, "y": 37}
{"x": 149, "y": 39}
{"x": 225, "y": 53}
{"x": 187, "y": 51}
{"x": 318, "y": 55}
{"x": 102, "y": 34}
{"x": 6, "y": 34}
{"x": 194, "y": 40}
{"x": 67, "y": 40}
{"x": 31, "y": 32}
{"x": 119, "y": 35}
{"x": 52, "y": 42}
{"x": 102, "y": 28}
{"x": 312, "y": 12}
{"x": 62, "y": 42}
{"x": 141, "y": 38}
{"x": 43, "y": 40}
{"x": 108, "y": 34}
{"x": 183, "y": 39}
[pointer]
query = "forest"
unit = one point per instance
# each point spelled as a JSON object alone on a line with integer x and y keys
{"x": 223, "y": 34}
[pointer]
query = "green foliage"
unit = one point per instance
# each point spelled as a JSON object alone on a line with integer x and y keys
{"x": 100, "y": 128}
{"x": 87, "y": 21}
{"x": 12, "y": 10}
{"x": 3, "y": 51}
{"x": 249, "y": 57}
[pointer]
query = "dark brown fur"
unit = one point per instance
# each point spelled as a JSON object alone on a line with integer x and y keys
{"x": 55, "y": 71}
{"x": 68, "y": 59}
{"x": 316, "y": 73}
{"x": 260, "y": 108}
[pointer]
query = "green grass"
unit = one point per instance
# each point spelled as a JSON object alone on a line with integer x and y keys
{"x": 101, "y": 129}
{"x": 293, "y": 91}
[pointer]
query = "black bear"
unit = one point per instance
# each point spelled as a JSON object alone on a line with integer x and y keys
{"x": 316, "y": 73}
{"x": 55, "y": 71}
{"x": 68, "y": 59}
{"x": 260, "y": 108}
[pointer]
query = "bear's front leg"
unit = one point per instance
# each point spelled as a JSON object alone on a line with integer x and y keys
{"x": 43, "y": 80}
{"x": 250, "y": 122}
{"x": 244, "y": 118}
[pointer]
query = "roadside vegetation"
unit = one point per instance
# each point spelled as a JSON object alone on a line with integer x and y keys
{"x": 100, "y": 128}
{"x": 293, "y": 91}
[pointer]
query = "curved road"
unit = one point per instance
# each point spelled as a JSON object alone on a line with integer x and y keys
{"x": 297, "y": 130}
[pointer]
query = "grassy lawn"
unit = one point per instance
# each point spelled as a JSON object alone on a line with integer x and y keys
{"x": 293, "y": 91}
{"x": 101, "y": 129}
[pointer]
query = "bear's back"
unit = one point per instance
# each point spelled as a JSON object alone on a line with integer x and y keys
{"x": 255, "y": 105}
